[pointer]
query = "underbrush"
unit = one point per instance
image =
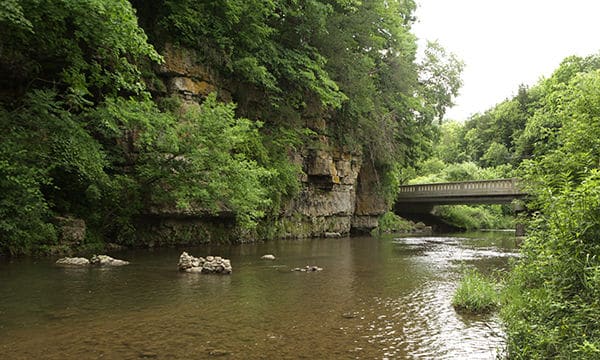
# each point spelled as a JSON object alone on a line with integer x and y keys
{"x": 475, "y": 217}
{"x": 392, "y": 223}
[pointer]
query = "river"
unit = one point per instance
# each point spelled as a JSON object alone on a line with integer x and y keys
{"x": 376, "y": 298}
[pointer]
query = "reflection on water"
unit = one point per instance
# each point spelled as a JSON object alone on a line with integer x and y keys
{"x": 376, "y": 298}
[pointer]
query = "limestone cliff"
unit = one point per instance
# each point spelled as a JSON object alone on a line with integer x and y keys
{"x": 338, "y": 194}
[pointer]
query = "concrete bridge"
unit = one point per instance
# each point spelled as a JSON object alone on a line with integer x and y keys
{"x": 498, "y": 191}
{"x": 417, "y": 201}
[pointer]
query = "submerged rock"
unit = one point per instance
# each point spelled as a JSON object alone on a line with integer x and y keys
{"x": 73, "y": 261}
{"x": 268, "y": 257}
{"x": 349, "y": 315}
{"x": 210, "y": 265}
{"x": 308, "y": 268}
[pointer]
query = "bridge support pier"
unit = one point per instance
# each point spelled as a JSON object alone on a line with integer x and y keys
{"x": 519, "y": 209}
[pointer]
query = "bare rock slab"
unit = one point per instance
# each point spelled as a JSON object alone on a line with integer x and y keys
{"x": 96, "y": 260}
{"x": 73, "y": 261}
{"x": 105, "y": 260}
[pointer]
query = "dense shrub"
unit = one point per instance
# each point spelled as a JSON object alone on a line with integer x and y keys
{"x": 392, "y": 223}
{"x": 552, "y": 301}
{"x": 475, "y": 294}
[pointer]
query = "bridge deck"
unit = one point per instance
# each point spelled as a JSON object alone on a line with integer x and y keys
{"x": 464, "y": 192}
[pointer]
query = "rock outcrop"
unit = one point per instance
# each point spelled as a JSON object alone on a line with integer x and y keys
{"x": 184, "y": 75}
{"x": 73, "y": 261}
{"x": 105, "y": 260}
{"x": 96, "y": 260}
{"x": 370, "y": 204}
{"x": 208, "y": 265}
{"x": 327, "y": 200}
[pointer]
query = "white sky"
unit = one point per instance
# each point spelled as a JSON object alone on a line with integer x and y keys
{"x": 504, "y": 43}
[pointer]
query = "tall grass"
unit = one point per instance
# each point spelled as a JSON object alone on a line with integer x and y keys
{"x": 475, "y": 294}
{"x": 471, "y": 217}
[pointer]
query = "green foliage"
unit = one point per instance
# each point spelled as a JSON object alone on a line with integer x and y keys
{"x": 440, "y": 76}
{"x": 496, "y": 154}
{"x": 63, "y": 46}
{"x": 432, "y": 165}
{"x": 207, "y": 161}
{"x": 434, "y": 171}
{"x": 449, "y": 146}
{"x": 266, "y": 44}
{"x": 475, "y": 294}
{"x": 552, "y": 298}
{"x": 47, "y": 155}
{"x": 552, "y": 301}
{"x": 392, "y": 223}
{"x": 551, "y": 131}
{"x": 59, "y": 59}
{"x": 518, "y": 128}
{"x": 473, "y": 217}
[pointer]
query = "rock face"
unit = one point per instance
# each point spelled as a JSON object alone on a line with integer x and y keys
{"x": 339, "y": 188}
{"x": 73, "y": 261}
{"x": 105, "y": 260}
{"x": 326, "y": 203}
{"x": 369, "y": 203}
{"x": 339, "y": 195}
{"x": 208, "y": 265}
{"x": 184, "y": 75}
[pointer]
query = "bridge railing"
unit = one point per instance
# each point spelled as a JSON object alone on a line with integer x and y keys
{"x": 462, "y": 188}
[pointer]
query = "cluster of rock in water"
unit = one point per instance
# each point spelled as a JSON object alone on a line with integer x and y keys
{"x": 208, "y": 265}
{"x": 187, "y": 263}
{"x": 98, "y": 260}
{"x": 308, "y": 268}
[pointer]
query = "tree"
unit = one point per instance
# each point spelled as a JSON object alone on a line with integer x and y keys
{"x": 439, "y": 74}
{"x": 496, "y": 154}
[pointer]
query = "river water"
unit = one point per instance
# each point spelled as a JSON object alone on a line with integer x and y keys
{"x": 376, "y": 298}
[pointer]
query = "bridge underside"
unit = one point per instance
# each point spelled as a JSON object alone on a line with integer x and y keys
{"x": 425, "y": 205}
{"x": 458, "y": 200}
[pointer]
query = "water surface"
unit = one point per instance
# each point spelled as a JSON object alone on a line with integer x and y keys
{"x": 377, "y": 298}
